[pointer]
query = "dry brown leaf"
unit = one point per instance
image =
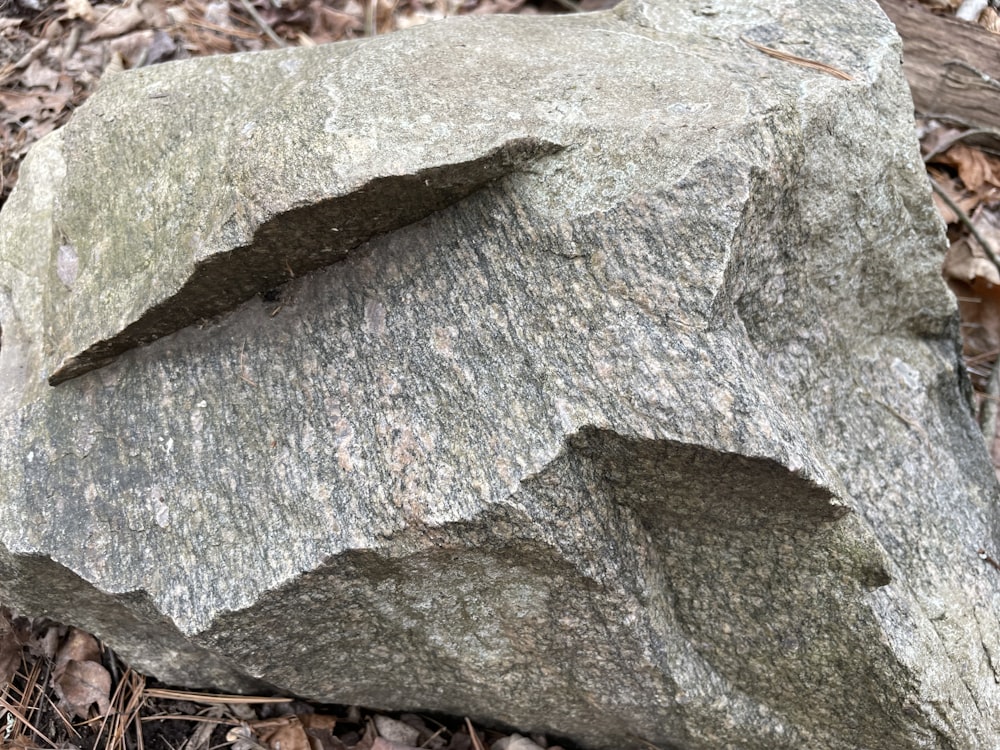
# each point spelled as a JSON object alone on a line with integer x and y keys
{"x": 78, "y": 646}
{"x": 978, "y": 293}
{"x": 116, "y": 21}
{"x": 987, "y": 222}
{"x": 38, "y": 104}
{"x": 490, "y": 7}
{"x": 244, "y": 738}
{"x": 318, "y": 721}
{"x": 329, "y": 24}
{"x": 989, "y": 19}
{"x": 935, "y": 136}
{"x": 966, "y": 262}
{"x": 218, "y": 13}
{"x": 58, "y": 100}
{"x": 82, "y": 684}
{"x": 962, "y": 198}
{"x": 11, "y": 644}
{"x": 946, "y": 7}
{"x": 326, "y": 740}
{"x": 80, "y": 9}
{"x": 156, "y": 14}
{"x": 79, "y": 679}
{"x": 320, "y": 727}
{"x": 944, "y": 210}
{"x": 38, "y": 74}
{"x": 133, "y": 46}
{"x": 368, "y": 738}
{"x": 10, "y": 659}
{"x": 396, "y": 731}
{"x": 43, "y": 128}
{"x": 974, "y": 167}
{"x": 290, "y": 735}
{"x": 44, "y": 640}
{"x": 16, "y": 106}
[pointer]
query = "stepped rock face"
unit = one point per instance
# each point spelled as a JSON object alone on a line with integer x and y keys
{"x": 589, "y": 374}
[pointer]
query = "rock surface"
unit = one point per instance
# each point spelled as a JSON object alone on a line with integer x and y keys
{"x": 610, "y": 389}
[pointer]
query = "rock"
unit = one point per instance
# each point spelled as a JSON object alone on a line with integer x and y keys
{"x": 270, "y": 234}
{"x": 612, "y": 390}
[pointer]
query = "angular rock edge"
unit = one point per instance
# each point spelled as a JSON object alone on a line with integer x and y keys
{"x": 304, "y": 239}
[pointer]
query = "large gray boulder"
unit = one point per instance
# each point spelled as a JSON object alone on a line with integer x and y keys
{"x": 588, "y": 374}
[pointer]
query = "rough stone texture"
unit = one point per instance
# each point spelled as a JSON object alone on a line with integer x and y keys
{"x": 649, "y": 427}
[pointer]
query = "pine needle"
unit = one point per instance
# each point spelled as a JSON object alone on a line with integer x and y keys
{"x": 805, "y": 62}
{"x": 210, "y": 698}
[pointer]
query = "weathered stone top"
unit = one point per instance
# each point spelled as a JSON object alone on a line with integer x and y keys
{"x": 238, "y": 181}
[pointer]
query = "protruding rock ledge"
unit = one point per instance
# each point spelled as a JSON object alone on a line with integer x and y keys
{"x": 303, "y": 239}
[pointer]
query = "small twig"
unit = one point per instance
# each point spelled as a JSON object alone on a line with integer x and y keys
{"x": 129, "y": 713}
{"x": 904, "y": 419}
{"x": 65, "y": 719}
{"x": 990, "y": 406}
{"x": 113, "y": 664}
{"x": 988, "y": 80}
{"x": 21, "y": 718}
{"x": 947, "y": 117}
{"x": 69, "y": 48}
{"x": 983, "y": 555}
{"x": 796, "y": 60}
{"x": 570, "y": 5}
{"x": 476, "y": 742}
{"x": 964, "y": 218}
{"x": 243, "y": 365}
{"x": 643, "y": 740}
{"x": 225, "y": 30}
{"x": 952, "y": 141}
{"x": 433, "y": 737}
{"x": 983, "y": 356}
{"x": 32, "y": 54}
{"x": 264, "y": 25}
{"x": 189, "y": 717}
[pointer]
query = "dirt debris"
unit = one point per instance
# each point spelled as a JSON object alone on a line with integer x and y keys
{"x": 61, "y": 688}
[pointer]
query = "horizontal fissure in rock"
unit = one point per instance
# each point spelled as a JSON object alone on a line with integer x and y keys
{"x": 304, "y": 239}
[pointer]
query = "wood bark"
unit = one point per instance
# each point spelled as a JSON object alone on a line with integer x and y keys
{"x": 953, "y": 67}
